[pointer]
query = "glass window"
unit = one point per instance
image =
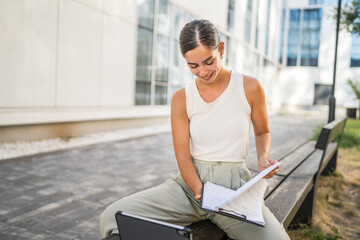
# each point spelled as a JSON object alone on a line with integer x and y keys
{"x": 267, "y": 28}
{"x": 310, "y": 37}
{"x": 305, "y": 40}
{"x": 248, "y": 21}
{"x": 143, "y": 93}
{"x": 315, "y": 2}
{"x": 282, "y": 34}
{"x": 176, "y": 78}
{"x": 160, "y": 95}
{"x": 267, "y": 63}
{"x": 293, "y": 39}
{"x": 144, "y": 52}
{"x": 231, "y": 8}
{"x": 144, "y": 55}
{"x": 162, "y": 59}
{"x": 257, "y": 25}
{"x": 329, "y": 2}
{"x": 178, "y": 21}
{"x": 230, "y": 50}
{"x": 355, "y": 51}
{"x": 146, "y": 13}
{"x": 324, "y": 2}
{"x": 176, "y": 68}
{"x": 163, "y": 22}
{"x": 179, "y": 70}
{"x": 160, "y": 67}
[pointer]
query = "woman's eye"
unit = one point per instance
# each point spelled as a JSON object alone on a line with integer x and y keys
{"x": 209, "y": 63}
{"x": 193, "y": 66}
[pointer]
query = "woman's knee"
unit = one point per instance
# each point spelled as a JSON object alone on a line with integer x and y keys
{"x": 107, "y": 221}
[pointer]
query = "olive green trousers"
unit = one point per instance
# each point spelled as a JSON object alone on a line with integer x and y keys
{"x": 174, "y": 202}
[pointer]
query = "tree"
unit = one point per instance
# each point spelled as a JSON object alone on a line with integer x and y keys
{"x": 355, "y": 86}
{"x": 350, "y": 16}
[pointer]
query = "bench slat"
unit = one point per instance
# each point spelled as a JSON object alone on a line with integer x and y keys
{"x": 285, "y": 201}
{"x": 309, "y": 167}
{"x": 295, "y": 158}
{"x": 287, "y": 147}
{"x": 331, "y": 149}
{"x": 277, "y": 152}
{"x": 273, "y": 184}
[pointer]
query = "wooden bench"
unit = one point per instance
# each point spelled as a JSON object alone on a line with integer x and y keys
{"x": 292, "y": 192}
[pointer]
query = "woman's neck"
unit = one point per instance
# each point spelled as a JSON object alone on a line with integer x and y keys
{"x": 221, "y": 79}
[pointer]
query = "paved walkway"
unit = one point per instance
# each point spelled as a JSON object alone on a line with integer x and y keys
{"x": 60, "y": 195}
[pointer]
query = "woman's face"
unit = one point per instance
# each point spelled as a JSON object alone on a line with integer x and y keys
{"x": 204, "y": 62}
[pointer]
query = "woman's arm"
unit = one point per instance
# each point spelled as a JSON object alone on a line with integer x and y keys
{"x": 256, "y": 98}
{"x": 181, "y": 141}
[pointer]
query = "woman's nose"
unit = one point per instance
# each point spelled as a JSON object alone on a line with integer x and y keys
{"x": 202, "y": 72}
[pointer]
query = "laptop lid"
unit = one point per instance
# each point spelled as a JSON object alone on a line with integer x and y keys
{"x": 133, "y": 227}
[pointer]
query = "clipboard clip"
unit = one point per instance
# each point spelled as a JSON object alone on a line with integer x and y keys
{"x": 232, "y": 212}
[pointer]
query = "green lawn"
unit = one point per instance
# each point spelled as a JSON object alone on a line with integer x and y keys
{"x": 351, "y": 135}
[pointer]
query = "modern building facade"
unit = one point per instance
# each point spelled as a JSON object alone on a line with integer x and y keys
{"x": 306, "y": 57}
{"x": 75, "y": 66}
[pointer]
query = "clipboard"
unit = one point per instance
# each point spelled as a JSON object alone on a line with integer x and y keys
{"x": 253, "y": 194}
{"x": 223, "y": 212}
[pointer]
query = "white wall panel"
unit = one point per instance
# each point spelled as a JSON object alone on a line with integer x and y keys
{"x": 118, "y": 62}
{"x": 95, "y": 4}
{"x": 296, "y": 85}
{"x": 124, "y": 9}
{"x": 327, "y": 43}
{"x": 79, "y": 57}
{"x": 27, "y": 53}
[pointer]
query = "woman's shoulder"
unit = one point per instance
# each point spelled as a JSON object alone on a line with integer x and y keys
{"x": 178, "y": 103}
{"x": 251, "y": 84}
{"x": 179, "y": 97}
{"x": 253, "y": 90}
{"x": 179, "y": 94}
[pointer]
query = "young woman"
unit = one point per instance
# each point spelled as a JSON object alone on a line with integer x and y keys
{"x": 210, "y": 120}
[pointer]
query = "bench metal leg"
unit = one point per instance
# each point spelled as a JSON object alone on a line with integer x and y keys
{"x": 203, "y": 229}
{"x": 331, "y": 166}
{"x": 306, "y": 211}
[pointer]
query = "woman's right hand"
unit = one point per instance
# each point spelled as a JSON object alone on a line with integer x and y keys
{"x": 264, "y": 162}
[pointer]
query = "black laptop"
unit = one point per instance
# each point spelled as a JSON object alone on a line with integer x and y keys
{"x": 132, "y": 227}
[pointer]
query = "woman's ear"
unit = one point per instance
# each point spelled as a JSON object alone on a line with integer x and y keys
{"x": 222, "y": 48}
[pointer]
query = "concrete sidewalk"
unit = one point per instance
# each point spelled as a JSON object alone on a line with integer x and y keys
{"x": 60, "y": 195}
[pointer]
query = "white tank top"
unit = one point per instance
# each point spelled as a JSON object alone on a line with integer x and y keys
{"x": 219, "y": 131}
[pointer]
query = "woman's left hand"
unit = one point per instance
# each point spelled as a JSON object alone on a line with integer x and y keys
{"x": 198, "y": 197}
{"x": 264, "y": 162}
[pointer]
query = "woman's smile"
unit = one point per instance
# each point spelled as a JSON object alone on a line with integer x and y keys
{"x": 207, "y": 78}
